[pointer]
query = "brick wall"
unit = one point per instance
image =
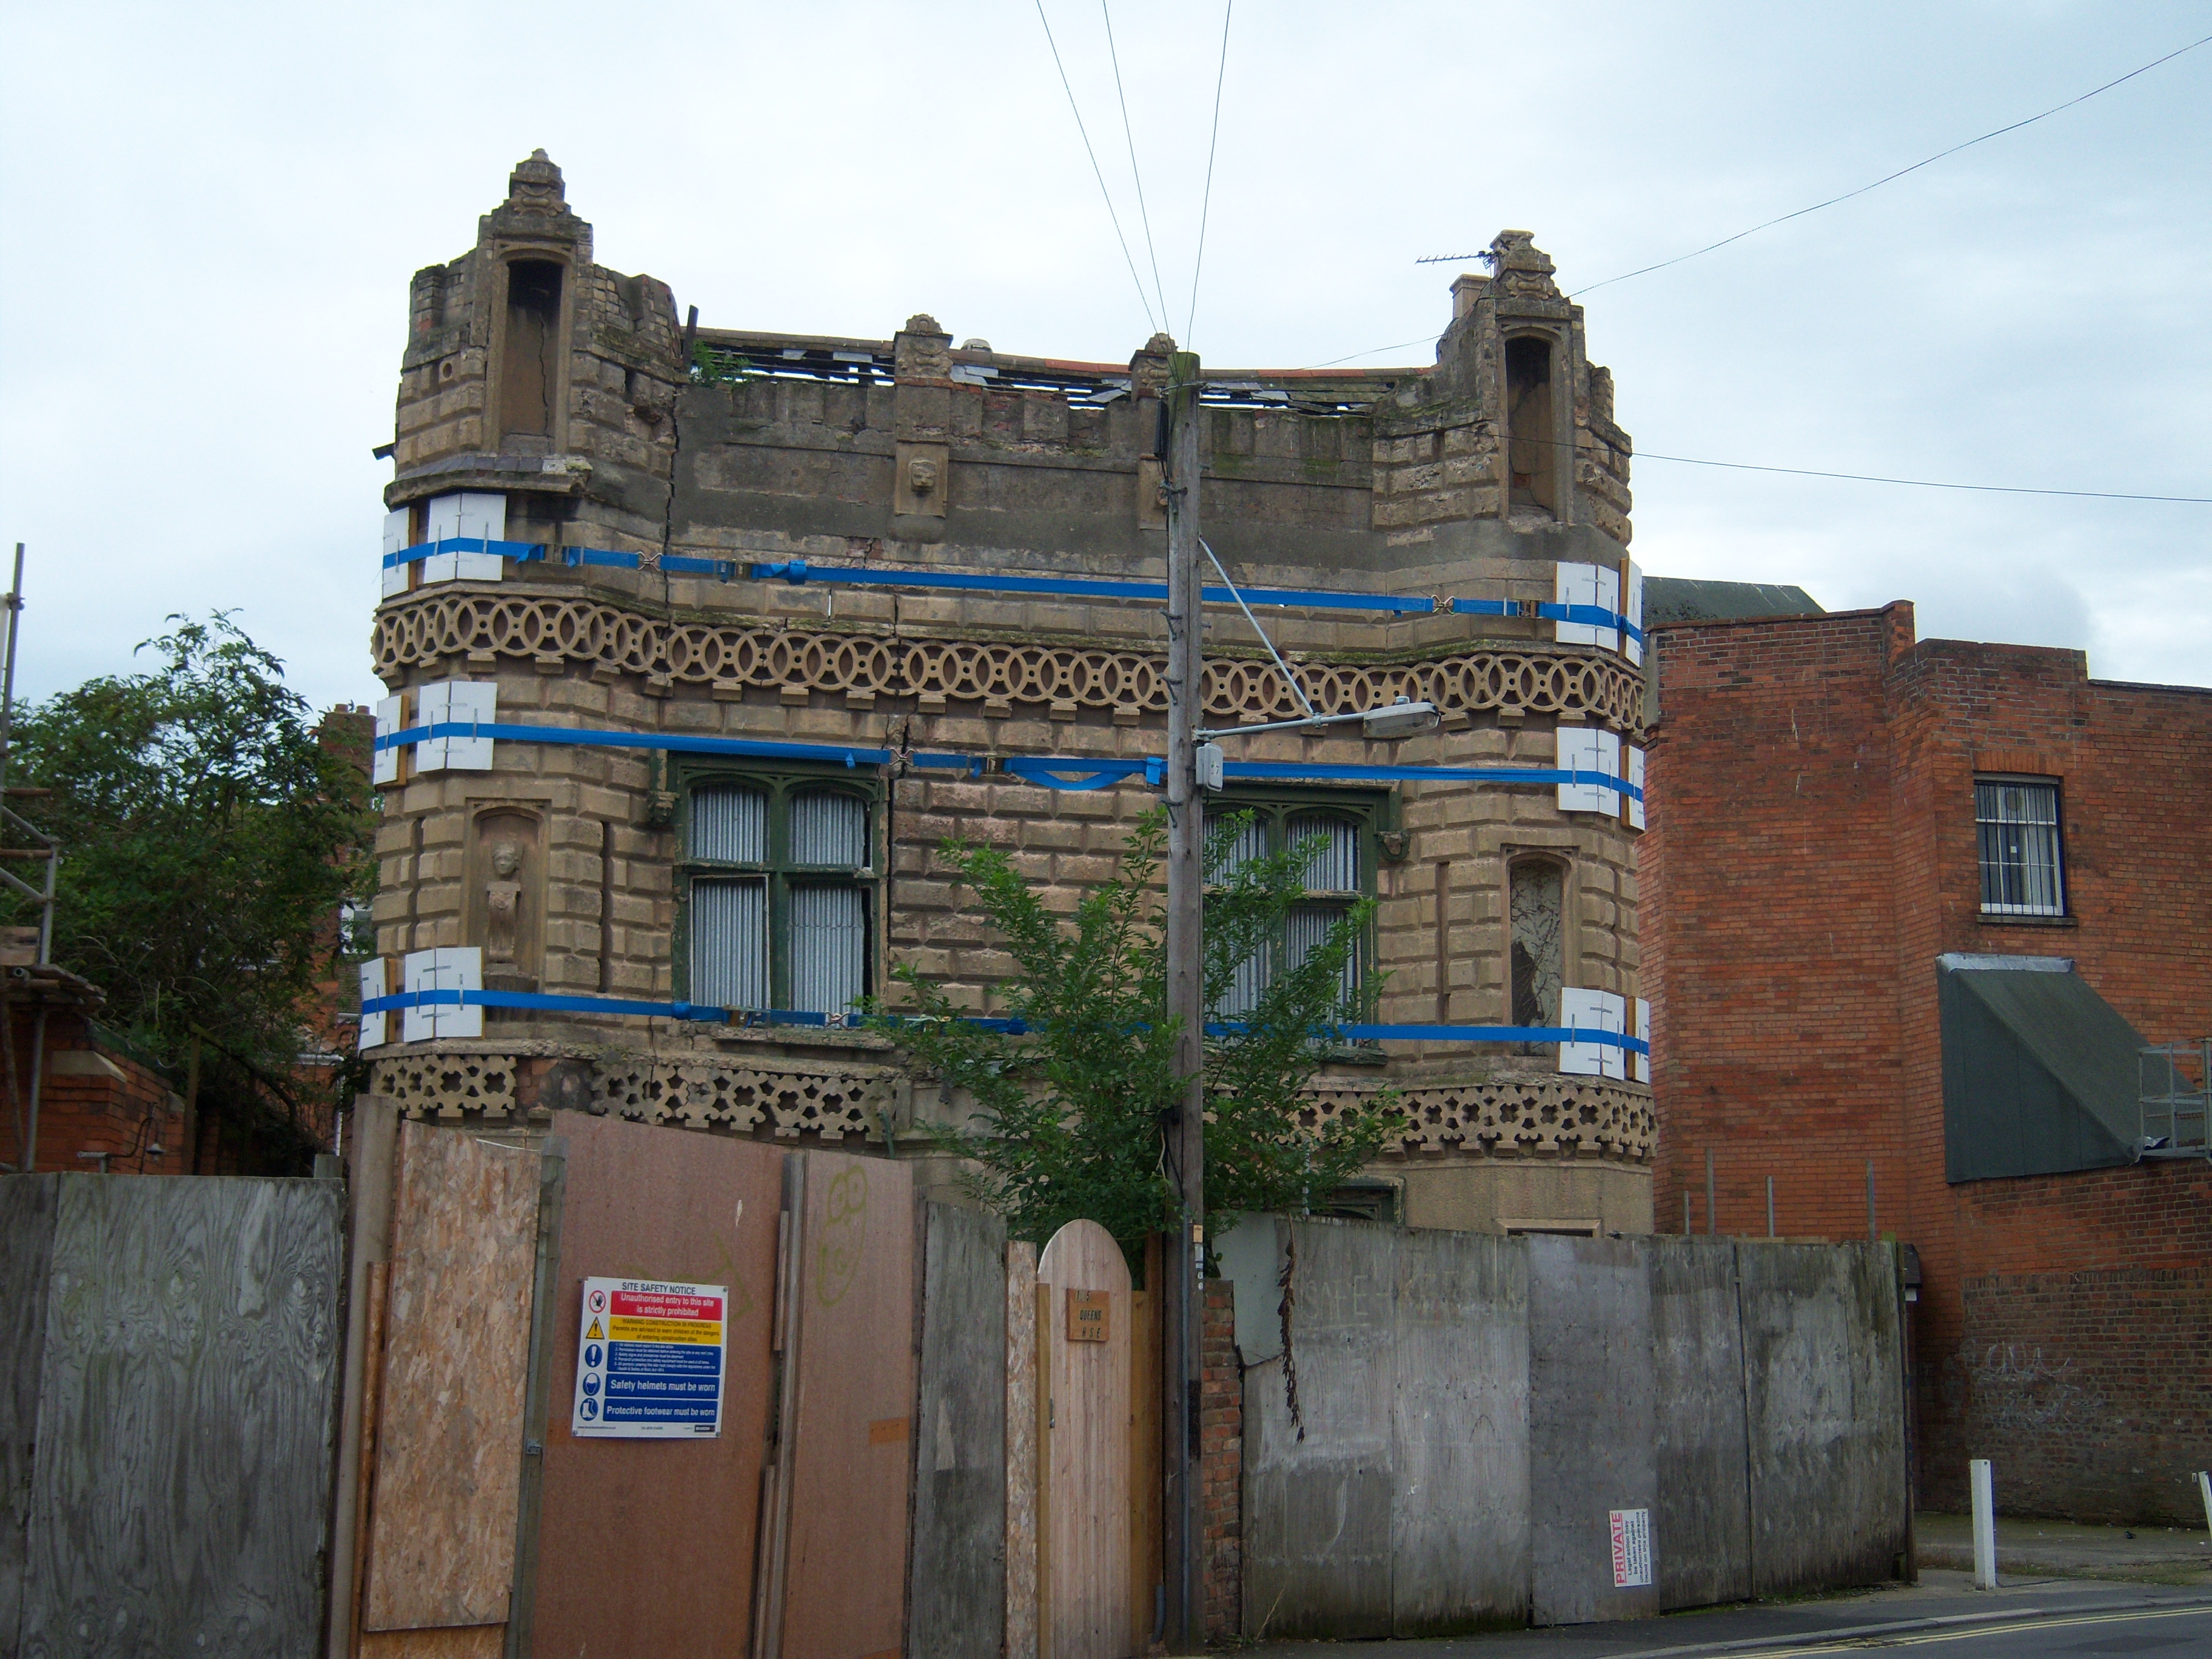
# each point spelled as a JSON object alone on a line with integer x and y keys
{"x": 1811, "y": 850}
{"x": 93, "y": 1101}
{"x": 1221, "y": 1437}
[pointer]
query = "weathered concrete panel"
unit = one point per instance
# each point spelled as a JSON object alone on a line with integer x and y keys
{"x": 27, "y": 1203}
{"x": 188, "y": 1401}
{"x": 1022, "y": 1421}
{"x": 1591, "y": 1421}
{"x": 1824, "y": 1410}
{"x": 1319, "y": 1478}
{"x": 1460, "y": 1527}
{"x": 958, "y": 1601}
{"x": 1702, "y": 1525}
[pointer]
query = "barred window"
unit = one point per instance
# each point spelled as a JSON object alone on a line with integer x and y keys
{"x": 2017, "y": 820}
{"x": 778, "y": 886}
{"x": 1335, "y": 879}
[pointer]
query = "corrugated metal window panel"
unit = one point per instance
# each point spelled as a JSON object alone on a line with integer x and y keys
{"x": 1251, "y": 979}
{"x": 1251, "y": 839}
{"x": 2018, "y": 825}
{"x": 829, "y": 830}
{"x": 1306, "y": 928}
{"x": 1336, "y": 866}
{"x": 828, "y": 948}
{"x": 729, "y": 824}
{"x": 729, "y": 941}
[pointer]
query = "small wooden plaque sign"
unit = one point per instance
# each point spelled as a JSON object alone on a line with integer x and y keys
{"x": 1086, "y": 1315}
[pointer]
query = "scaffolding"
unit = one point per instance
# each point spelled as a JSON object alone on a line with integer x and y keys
{"x": 36, "y": 846}
{"x": 2173, "y": 1099}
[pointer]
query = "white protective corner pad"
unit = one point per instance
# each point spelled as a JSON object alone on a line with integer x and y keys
{"x": 395, "y": 541}
{"x": 448, "y": 967}
{"x": 391, "y": 717}
{"x": 1588, "y": 748}
{"x": 1644, "y": 1031}
{"x": 474, "y": 513}
{"x": 1632, "y": 607}
{"x": 1633, "y": 805}
{"x": 1593, "y": 585}
{"x": 373, "y": 983}
{"x": 455, "y": 703}
{"x": 1593, "y": 1010}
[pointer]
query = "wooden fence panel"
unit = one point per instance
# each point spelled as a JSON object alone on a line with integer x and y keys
{"x": 1320, "y": 1479}
{"x": 851, "y": 1342}
{"x": 181, "y": 1489}
{"x": 1083, "y": 1509}
{"x": 959, "y": 1562}
{"x": 1023, "y": 1418}
{"x": 1701, "y": 1527}
{"x": 643, "y": 1201}
{"x": 440, "y": 1548}
{"x": 27, "y": 1203}
{"x": 1824, "y": 1410}
{"x": 1460, "y": 1526}
{"x": 1591, "y": 1415}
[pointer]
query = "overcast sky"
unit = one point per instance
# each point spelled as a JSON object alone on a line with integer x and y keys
{"x": 211, "y": 213}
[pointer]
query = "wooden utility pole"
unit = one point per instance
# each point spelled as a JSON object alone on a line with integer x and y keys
{"x": 1183, "y": 1264}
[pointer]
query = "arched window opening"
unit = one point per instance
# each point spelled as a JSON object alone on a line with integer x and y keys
{"x": 1537, "y": 911}
{"x": 1532, "y": 451}
{"x": 528, "y": 377}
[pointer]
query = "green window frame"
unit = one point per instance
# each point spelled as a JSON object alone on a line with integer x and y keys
{"x": 1279, "y": 819}
{"x": 778, "y": 880}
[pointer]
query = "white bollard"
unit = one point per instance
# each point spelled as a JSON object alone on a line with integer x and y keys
{"x": 1985, "y": 1526}
{"x": 2204, "y": 1491}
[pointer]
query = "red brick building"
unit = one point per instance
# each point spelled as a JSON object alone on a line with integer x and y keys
{"x": 100, "y": 1109}
{"x": 1834, "y": 806}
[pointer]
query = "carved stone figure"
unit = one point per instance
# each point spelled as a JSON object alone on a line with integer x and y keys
{"x": 502, "y": 902}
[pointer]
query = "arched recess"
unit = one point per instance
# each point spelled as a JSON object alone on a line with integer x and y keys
{"x": 1536, "y": 950}
{"x": 531, "y": 351}
{"x": 1534, "y": 457}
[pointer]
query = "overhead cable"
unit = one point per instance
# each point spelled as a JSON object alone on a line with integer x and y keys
{"x": 1886, "y": 178}
{"x": 1190, "y": 322}
{"x": 1142, "y": 297}
{"x": 1143, "y": 216}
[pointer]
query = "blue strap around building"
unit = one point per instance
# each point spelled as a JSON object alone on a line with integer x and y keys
{"x": 675, "y": 742}
{"x": 540, "y": 1002}
{"x": 1054, "y": 772}
{"x": 444, "y": 544}
{"x": 799, "y": 571}
{"x": 1589, "y": 615}
{"x": 1574, "y": 1034}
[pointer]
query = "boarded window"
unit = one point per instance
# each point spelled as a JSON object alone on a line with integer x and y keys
{"x": 2017, "y": 820}
{"x": 1538, "y": 955}
{"x": 1332, "y": 881}
{"x": 729, "y": 943}
{"x": 527, "y": 376}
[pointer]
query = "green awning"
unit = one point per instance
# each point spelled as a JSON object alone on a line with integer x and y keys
{"x": 2040, "y": 1073}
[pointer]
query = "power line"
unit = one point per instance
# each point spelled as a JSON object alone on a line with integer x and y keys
{"x": 1645, "y": 270}
{"x": 1190, "y": 323}
{"x": 1095, "y": 171}
{"x": 1922, "y": 483}
{"x": 1151, "y": 251}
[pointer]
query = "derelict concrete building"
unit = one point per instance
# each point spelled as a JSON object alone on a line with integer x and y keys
{"x": 760, "y": 619}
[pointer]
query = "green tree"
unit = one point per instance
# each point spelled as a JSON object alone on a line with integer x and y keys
{"x": 210, "y": 837}
{"x": 1070, "y": 1115}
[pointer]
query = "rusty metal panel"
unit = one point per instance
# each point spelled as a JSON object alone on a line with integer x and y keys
{"x": 440, "y": 1549}
{"x": 1022, "y": 1419}
{"x": 852, "y": 1344}
{"x": 959, "y": 1564}
{"x": 1085, "y": 1535}
{"x": 648, "y": 1201}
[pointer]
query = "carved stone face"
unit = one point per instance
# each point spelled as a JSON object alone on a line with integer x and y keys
{"x": 920, "y": 476}
{"x": 506, "y": 860}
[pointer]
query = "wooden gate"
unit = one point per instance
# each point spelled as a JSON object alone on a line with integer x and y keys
{"x": 1085, "y": 1321}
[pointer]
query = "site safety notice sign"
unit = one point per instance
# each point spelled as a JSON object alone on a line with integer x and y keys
{"x": 1631, "y": 1548}
{"x": 650, "y": 1359}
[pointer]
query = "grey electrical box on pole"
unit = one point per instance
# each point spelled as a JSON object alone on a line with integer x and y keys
{"x": 1181, "y": 1265}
